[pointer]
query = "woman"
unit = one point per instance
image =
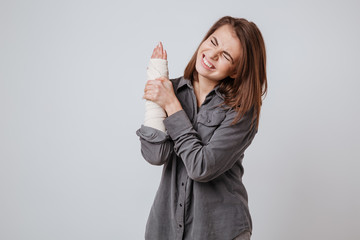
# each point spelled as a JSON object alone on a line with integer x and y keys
{"x": 212, "y": 117}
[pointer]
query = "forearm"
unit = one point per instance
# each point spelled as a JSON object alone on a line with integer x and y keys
{"x": 206, "y": 161}
{"x": 154, "y": 114}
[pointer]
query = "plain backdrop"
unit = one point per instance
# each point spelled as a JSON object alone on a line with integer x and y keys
{"x": 72, "y": 75}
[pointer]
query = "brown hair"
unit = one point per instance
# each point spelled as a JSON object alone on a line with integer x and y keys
{"x": 245, "y": 90}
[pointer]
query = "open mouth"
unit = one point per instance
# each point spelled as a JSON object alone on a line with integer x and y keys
{"x": 206, "y": 63}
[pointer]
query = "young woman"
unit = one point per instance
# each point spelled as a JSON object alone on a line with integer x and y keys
{"x": 212, "y": 117}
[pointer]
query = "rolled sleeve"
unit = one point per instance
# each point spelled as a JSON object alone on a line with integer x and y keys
{"x": 152, "y": 135}
{"x": 156, "y": 146}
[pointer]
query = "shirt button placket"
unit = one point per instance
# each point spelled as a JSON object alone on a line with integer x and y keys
{"x": 181, "y": 211}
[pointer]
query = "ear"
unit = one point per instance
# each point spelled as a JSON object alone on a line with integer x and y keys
{"x": 233, "y": 74}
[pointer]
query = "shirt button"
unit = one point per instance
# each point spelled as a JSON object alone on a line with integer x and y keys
{"x": 175, "y": 148}
{"x": 180, "y": 225}
{"x": 180, "y": 205}
{"x": 208, "y": 120}
{"x": 182, "y": 184}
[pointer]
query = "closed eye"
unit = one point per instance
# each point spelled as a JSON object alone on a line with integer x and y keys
{"x": 226, "y": 54}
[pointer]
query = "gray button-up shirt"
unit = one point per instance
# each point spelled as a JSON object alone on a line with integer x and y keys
{"x": 201, "y": 194}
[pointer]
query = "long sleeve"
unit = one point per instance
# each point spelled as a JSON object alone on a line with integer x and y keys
{"x": 205, "y": 162}
{"x": 156, "y": 146}
{"x": 154, "y": 114}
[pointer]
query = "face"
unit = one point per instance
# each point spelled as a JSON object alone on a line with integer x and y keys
{"x": 218, "y": 55}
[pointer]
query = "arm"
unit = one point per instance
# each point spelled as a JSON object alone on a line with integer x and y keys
{"x": 156, "y": 146}
{"x": 158, "y": 66}
{"x": 227, "y": 145}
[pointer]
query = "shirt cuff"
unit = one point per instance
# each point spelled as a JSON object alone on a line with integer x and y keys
{"x": 152, "y": 135}
{"x": 177, "y": 124}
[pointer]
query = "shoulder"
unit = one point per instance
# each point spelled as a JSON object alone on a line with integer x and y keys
{"x": 246, "y": 120}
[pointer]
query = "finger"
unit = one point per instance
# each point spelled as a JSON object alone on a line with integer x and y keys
{"x": 153, "y": 84}
{"x": 150, "y": 82}
{"x": 148, "y": 88}
{"x": 158, "y": 82}
{"x": 146, "y": 96}
{"x": 161, "y": 50}
{"x": 158, "y": 51}
{"x": 162, "y": 78}
{"x": 155, "y": 52}
{"x": 165, "y": 55}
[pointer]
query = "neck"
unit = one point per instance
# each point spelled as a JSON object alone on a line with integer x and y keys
{"x": 203, "y": 85}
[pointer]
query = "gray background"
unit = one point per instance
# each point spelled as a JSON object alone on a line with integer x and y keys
{"x": 72, "y": 75}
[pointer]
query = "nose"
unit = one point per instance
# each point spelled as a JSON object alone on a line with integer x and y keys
{"x": 214, "y": 54}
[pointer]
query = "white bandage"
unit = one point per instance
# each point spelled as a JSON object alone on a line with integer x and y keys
{"x": 154, "y": 114}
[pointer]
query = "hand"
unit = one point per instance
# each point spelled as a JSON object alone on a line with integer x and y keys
{"x": 161, "y": 91}
{"x": 159, "y": 52}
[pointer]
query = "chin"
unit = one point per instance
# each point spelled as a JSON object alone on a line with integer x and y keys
{"x": 201, "y": 72}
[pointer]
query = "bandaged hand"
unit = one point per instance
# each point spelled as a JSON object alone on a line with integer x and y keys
{"x": 154, "y": 113}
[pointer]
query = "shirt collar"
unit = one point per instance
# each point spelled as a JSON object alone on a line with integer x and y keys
{"x": 186, "y": 82}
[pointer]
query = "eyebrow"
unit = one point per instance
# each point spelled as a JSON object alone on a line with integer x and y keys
{"x": 224, "y": 51}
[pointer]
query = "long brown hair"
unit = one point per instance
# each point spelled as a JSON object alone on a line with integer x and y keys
{"x": 245, "y": 90}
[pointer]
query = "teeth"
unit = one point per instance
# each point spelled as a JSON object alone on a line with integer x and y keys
{"x": 207, "y": 63}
